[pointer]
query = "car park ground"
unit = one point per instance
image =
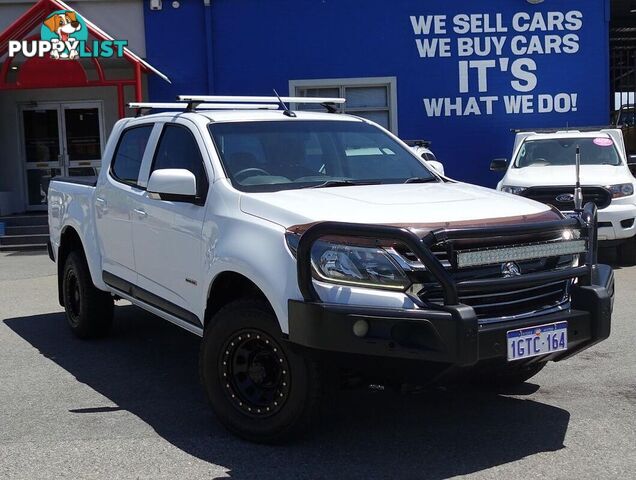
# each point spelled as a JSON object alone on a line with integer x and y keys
{"x": 130, "y": 406}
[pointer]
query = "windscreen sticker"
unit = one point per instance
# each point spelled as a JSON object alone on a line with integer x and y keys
{"x": 603, "y": 142}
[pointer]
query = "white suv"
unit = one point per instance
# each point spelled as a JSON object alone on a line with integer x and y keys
{"x": 302, "y": 246}
{"x": 543, "y": 168}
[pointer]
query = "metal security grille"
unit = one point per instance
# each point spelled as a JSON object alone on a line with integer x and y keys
{"x": 623, "y": 53}
{"x": 623, "y": 74}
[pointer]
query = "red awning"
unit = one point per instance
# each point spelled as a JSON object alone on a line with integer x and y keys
{"x": 33, "y": 18}
{"x": 49, "y": 73}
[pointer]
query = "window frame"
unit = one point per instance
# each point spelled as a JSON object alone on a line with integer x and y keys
{"x": 343, "y": 83}
{"x": 111, "y": 172}
{"x": 199, "y": 199}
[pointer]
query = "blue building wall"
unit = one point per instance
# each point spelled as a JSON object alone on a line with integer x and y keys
{"x": 252, "y": 46}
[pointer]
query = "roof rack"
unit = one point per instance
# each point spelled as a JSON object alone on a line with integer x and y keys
{"x": 216, "y": 102}
{"x": 562, "y": 129}
{"x": 216, "y": 98}
{"x": 144, "y": 107}
{"x": 328, "y": 103}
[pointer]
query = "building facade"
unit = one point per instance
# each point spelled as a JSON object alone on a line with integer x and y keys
{"x": 460, "y": 74}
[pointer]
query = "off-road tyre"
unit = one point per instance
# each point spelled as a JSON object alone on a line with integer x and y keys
{"x": 89, "y": 311}
{"x": 260, "y": 388}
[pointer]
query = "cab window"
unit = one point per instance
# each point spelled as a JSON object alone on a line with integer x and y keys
{"x": 129, "y": 154}
{"x": 178, "y": 148}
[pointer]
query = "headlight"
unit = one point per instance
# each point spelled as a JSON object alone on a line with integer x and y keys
{"x": 513, "y": 190}
{"x": 621, "y": 190}
{"x": 361, "y": 266}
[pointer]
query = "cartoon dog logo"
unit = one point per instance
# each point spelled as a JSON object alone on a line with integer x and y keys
{"x": 64, "y": 24}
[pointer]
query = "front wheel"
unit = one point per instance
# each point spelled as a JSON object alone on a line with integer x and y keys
{"x": 259, "y": 388}
{"x": 627, "y": 252}
{"x": 89, "y": 311}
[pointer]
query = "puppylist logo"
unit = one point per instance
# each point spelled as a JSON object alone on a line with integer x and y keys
{"x": 64, "y": 36}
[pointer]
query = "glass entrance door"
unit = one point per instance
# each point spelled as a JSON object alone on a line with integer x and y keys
{"x": 82, "y": 139}
{"x": 59, "y": 139}
{"x": 42, "y": 151}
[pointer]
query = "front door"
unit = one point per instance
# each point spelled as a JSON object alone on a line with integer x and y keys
{"x": 167, "y": 235}
{"x": 59, "y": 139}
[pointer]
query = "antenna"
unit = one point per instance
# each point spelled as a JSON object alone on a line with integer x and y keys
{"x": 287, "y": 112}
{"x": 578, "y": 194}
{"x": 331, "y": 107}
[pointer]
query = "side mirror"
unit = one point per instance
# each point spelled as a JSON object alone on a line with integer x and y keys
{"x": 499, "y": 165}
{"x": 176, "y": 184}
{"x": 437, "y": 166}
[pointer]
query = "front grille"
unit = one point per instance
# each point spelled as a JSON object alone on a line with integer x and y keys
{"x": 509, "y": 302}
{"x": 439, "y": 251}
{"x": 563, "y": 197}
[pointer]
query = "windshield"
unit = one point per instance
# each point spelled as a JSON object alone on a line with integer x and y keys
{"x": 562, "y": 151}
{"x": 264, "y": 156}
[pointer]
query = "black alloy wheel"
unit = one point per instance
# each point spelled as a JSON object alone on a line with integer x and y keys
{"x": 256, "y": 373}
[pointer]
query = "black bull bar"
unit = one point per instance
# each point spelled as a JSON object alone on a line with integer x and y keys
{"x": 421, "y": 247}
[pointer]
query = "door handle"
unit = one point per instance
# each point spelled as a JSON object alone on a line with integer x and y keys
{"x": 140, "y": 213}
{"x": 100, "y": 206}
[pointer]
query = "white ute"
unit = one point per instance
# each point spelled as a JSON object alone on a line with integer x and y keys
{"x": 314, "y": 249}
{"x": 543, "y": 168}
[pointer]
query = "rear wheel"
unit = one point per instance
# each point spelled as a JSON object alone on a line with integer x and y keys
{"x": 89, "y": 311}
{"x": 627, "y": 252}
{"x": 259, "y": 388}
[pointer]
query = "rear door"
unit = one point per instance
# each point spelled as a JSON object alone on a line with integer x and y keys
{"x": 167, "y": 235}
{"x": 117, "y": 195}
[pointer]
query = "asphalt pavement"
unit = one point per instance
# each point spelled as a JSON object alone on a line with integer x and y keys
{"x": 130, "y": 406}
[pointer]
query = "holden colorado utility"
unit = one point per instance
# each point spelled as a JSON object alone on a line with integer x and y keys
{"x": 312, "y": 249}
{"x": 543, "y": 169}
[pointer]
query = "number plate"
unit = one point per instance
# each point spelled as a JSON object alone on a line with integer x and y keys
{"x": 539, "y": 340}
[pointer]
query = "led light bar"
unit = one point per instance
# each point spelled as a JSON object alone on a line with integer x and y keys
{"x": 512, "y": 254}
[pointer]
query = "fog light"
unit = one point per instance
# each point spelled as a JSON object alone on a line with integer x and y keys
{"x": 360, "y": 328}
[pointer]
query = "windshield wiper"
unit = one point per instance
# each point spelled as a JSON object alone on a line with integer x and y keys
{"x": 339, "y": 183}
{"x": 420, "y": 180}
